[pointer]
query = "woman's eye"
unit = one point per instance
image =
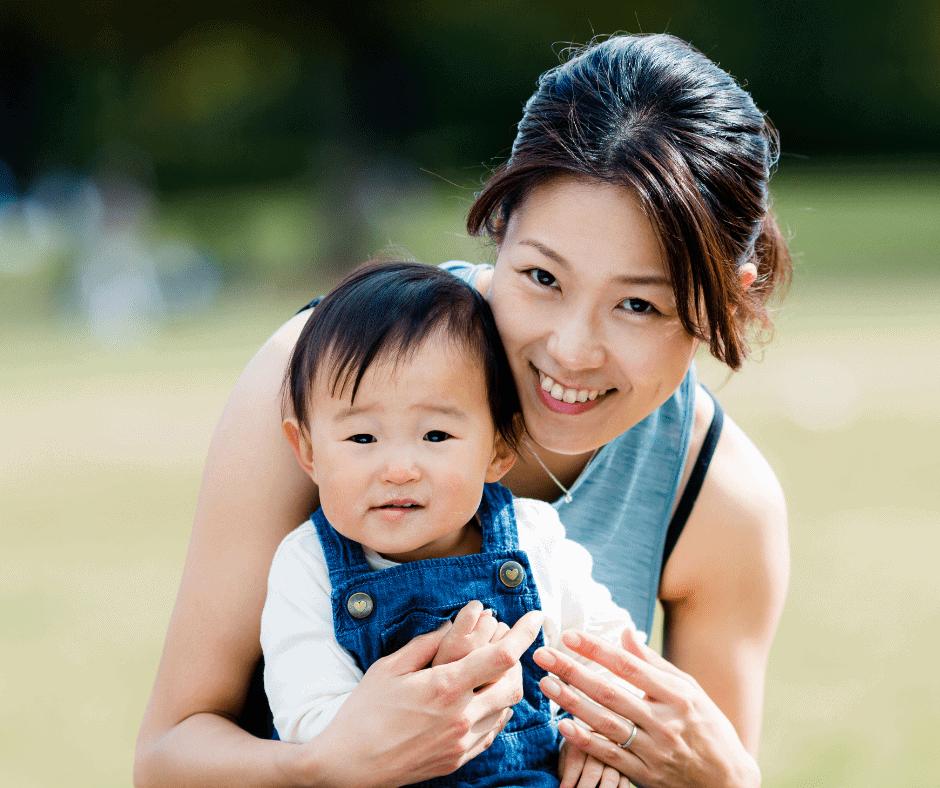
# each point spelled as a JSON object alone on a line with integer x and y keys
{"x": 436, "y": 436}
{"x": 361, "y": 437}
{"x": 638, "y": 306}
{"x": 542, "y": 277}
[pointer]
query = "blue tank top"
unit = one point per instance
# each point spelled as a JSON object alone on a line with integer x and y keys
{"x": 622, "y": 502}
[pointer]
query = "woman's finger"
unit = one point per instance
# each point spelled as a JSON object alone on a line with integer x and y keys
{"x": 614, "y": 726}
{"x": 651, "y": 679}
{"x": 610, "y": 698}
{"x": 486, "y": 736}
{"x": 637, "y": 646}
{"x": 415, "y": 654}
{"x": 495, "y": 721}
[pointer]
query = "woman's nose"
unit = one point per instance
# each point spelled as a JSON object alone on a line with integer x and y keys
{"x": 576, "y": 344}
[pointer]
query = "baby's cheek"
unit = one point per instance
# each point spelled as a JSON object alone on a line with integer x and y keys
{"x": 461, "y": 490}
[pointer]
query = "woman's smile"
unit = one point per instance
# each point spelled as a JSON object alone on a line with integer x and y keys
{"x": 577, "y": 258}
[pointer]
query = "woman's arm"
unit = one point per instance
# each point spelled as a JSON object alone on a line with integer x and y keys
{"x": 724, "y": 587}
{"x": 253, "y": 494}
{"x": 723, "y": 591}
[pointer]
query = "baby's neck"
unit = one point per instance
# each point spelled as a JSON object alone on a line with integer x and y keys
{"x": 466, "y": 541}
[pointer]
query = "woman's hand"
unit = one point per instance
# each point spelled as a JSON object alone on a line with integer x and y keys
{"x": 403, "y": 724}
{"x": 682, "y": 737}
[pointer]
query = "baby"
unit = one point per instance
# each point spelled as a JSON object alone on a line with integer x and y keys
{"x": 400, "y": 405}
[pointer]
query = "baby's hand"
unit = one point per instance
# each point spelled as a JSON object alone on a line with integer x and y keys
{"x": 577, "y": 769}
{"x": 473, "y": 627}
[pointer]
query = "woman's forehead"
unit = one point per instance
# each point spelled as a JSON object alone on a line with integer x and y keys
{"x": 579, "y": 222}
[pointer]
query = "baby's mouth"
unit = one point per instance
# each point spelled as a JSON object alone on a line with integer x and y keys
{"x": 400, "y": 505}
{"x": 558, "y": 392}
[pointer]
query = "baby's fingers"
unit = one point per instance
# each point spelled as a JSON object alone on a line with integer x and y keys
{"x": 467, "y": 619}
{"x": 570, "y": 764}
{"x": 610, "y": 778}
{"x": 501, "y": 630}
{"x": 591, "y": 774}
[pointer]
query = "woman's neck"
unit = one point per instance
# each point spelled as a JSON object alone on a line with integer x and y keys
{"x": 528, "y": 479}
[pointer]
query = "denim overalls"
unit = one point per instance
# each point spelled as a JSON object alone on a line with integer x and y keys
{"x": 376, "y": 613}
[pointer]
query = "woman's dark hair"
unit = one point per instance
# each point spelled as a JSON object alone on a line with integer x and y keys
{"x": 387, "y": 310}
{"x": 654, "y": 114}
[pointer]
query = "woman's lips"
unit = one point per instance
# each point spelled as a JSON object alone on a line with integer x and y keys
{"x": 567, "y": 400}
{"x": 568, "y": 408}
{"x": 565, "y": 394}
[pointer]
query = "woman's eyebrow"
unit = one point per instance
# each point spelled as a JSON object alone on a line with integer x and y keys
{"x": 649, "y": 279}
{"x": 547, "y": 251}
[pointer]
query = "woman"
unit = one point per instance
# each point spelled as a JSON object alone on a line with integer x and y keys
{"x": 631, "y": 223}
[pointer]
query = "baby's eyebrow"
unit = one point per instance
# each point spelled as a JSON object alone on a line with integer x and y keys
{"x": 348, "y": 413}
{"x": 445, "y": 410}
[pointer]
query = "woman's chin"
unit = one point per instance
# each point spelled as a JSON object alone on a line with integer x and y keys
{"x": 568, "y": 441}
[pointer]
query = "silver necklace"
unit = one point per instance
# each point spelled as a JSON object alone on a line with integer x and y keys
{"x": 551, "y": 475}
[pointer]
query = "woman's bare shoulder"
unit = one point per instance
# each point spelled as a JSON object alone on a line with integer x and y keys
{"x": 253, "y": 494}
{"x": 739, "y": 516}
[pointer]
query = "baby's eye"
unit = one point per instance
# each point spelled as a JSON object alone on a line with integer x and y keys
{"x": 361, "y": 437}
{"x": 436, "y": 436}
{"x": 638, "y": 306}
{"x": 542, "y": 277}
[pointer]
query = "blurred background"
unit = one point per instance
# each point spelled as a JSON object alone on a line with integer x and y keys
{"x": 177, "y": 180}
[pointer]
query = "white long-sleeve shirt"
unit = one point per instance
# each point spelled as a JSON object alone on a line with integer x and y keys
{"x": 308, "y": 674}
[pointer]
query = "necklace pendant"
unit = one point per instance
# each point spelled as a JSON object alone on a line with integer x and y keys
{"x": 567, "y": 497}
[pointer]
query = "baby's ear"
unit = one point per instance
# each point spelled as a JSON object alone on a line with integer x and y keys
{"x": 502, "y": 460}
{"x": 301, "y": 447}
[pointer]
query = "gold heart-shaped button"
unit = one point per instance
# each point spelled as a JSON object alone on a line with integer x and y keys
{"x": 359, "y": 605}
{"x": 511, "y": 574}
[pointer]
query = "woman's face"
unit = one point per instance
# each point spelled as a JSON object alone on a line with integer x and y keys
{"x": 582, "y": 297}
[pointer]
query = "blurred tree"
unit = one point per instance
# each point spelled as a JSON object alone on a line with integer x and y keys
{"x": 244, "y": 93}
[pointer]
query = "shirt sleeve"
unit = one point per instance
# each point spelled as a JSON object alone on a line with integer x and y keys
{"x": 307, "y": 674}
{"x": 466, "y": 271}
{"x": 571, "y": 597}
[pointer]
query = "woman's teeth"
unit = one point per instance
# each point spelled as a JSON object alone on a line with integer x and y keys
{"x": 557, "y": 391}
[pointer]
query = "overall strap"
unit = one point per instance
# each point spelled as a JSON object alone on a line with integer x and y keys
{"x": 344, "y": 557}
{"x": 498, "y": 519}
{"x": 696, "y": 478}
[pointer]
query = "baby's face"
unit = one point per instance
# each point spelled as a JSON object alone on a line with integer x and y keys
{"x": 402, "y": 470}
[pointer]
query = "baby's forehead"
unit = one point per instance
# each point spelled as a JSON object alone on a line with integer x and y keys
{"x": 444, "y": 363}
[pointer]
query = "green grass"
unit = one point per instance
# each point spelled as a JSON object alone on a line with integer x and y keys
{"x": 104, "y": 449}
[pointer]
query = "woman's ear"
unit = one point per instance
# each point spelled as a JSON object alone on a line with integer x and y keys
{"x": 301, "y": 447}
{"x": 502, "y": 460}
{"x": 747, "y": 273}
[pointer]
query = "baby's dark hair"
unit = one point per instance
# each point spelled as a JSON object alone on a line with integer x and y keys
{"x": 387, "y": 310}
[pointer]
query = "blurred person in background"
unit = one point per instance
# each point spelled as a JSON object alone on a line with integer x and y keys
{"x": 631, "y": 224}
